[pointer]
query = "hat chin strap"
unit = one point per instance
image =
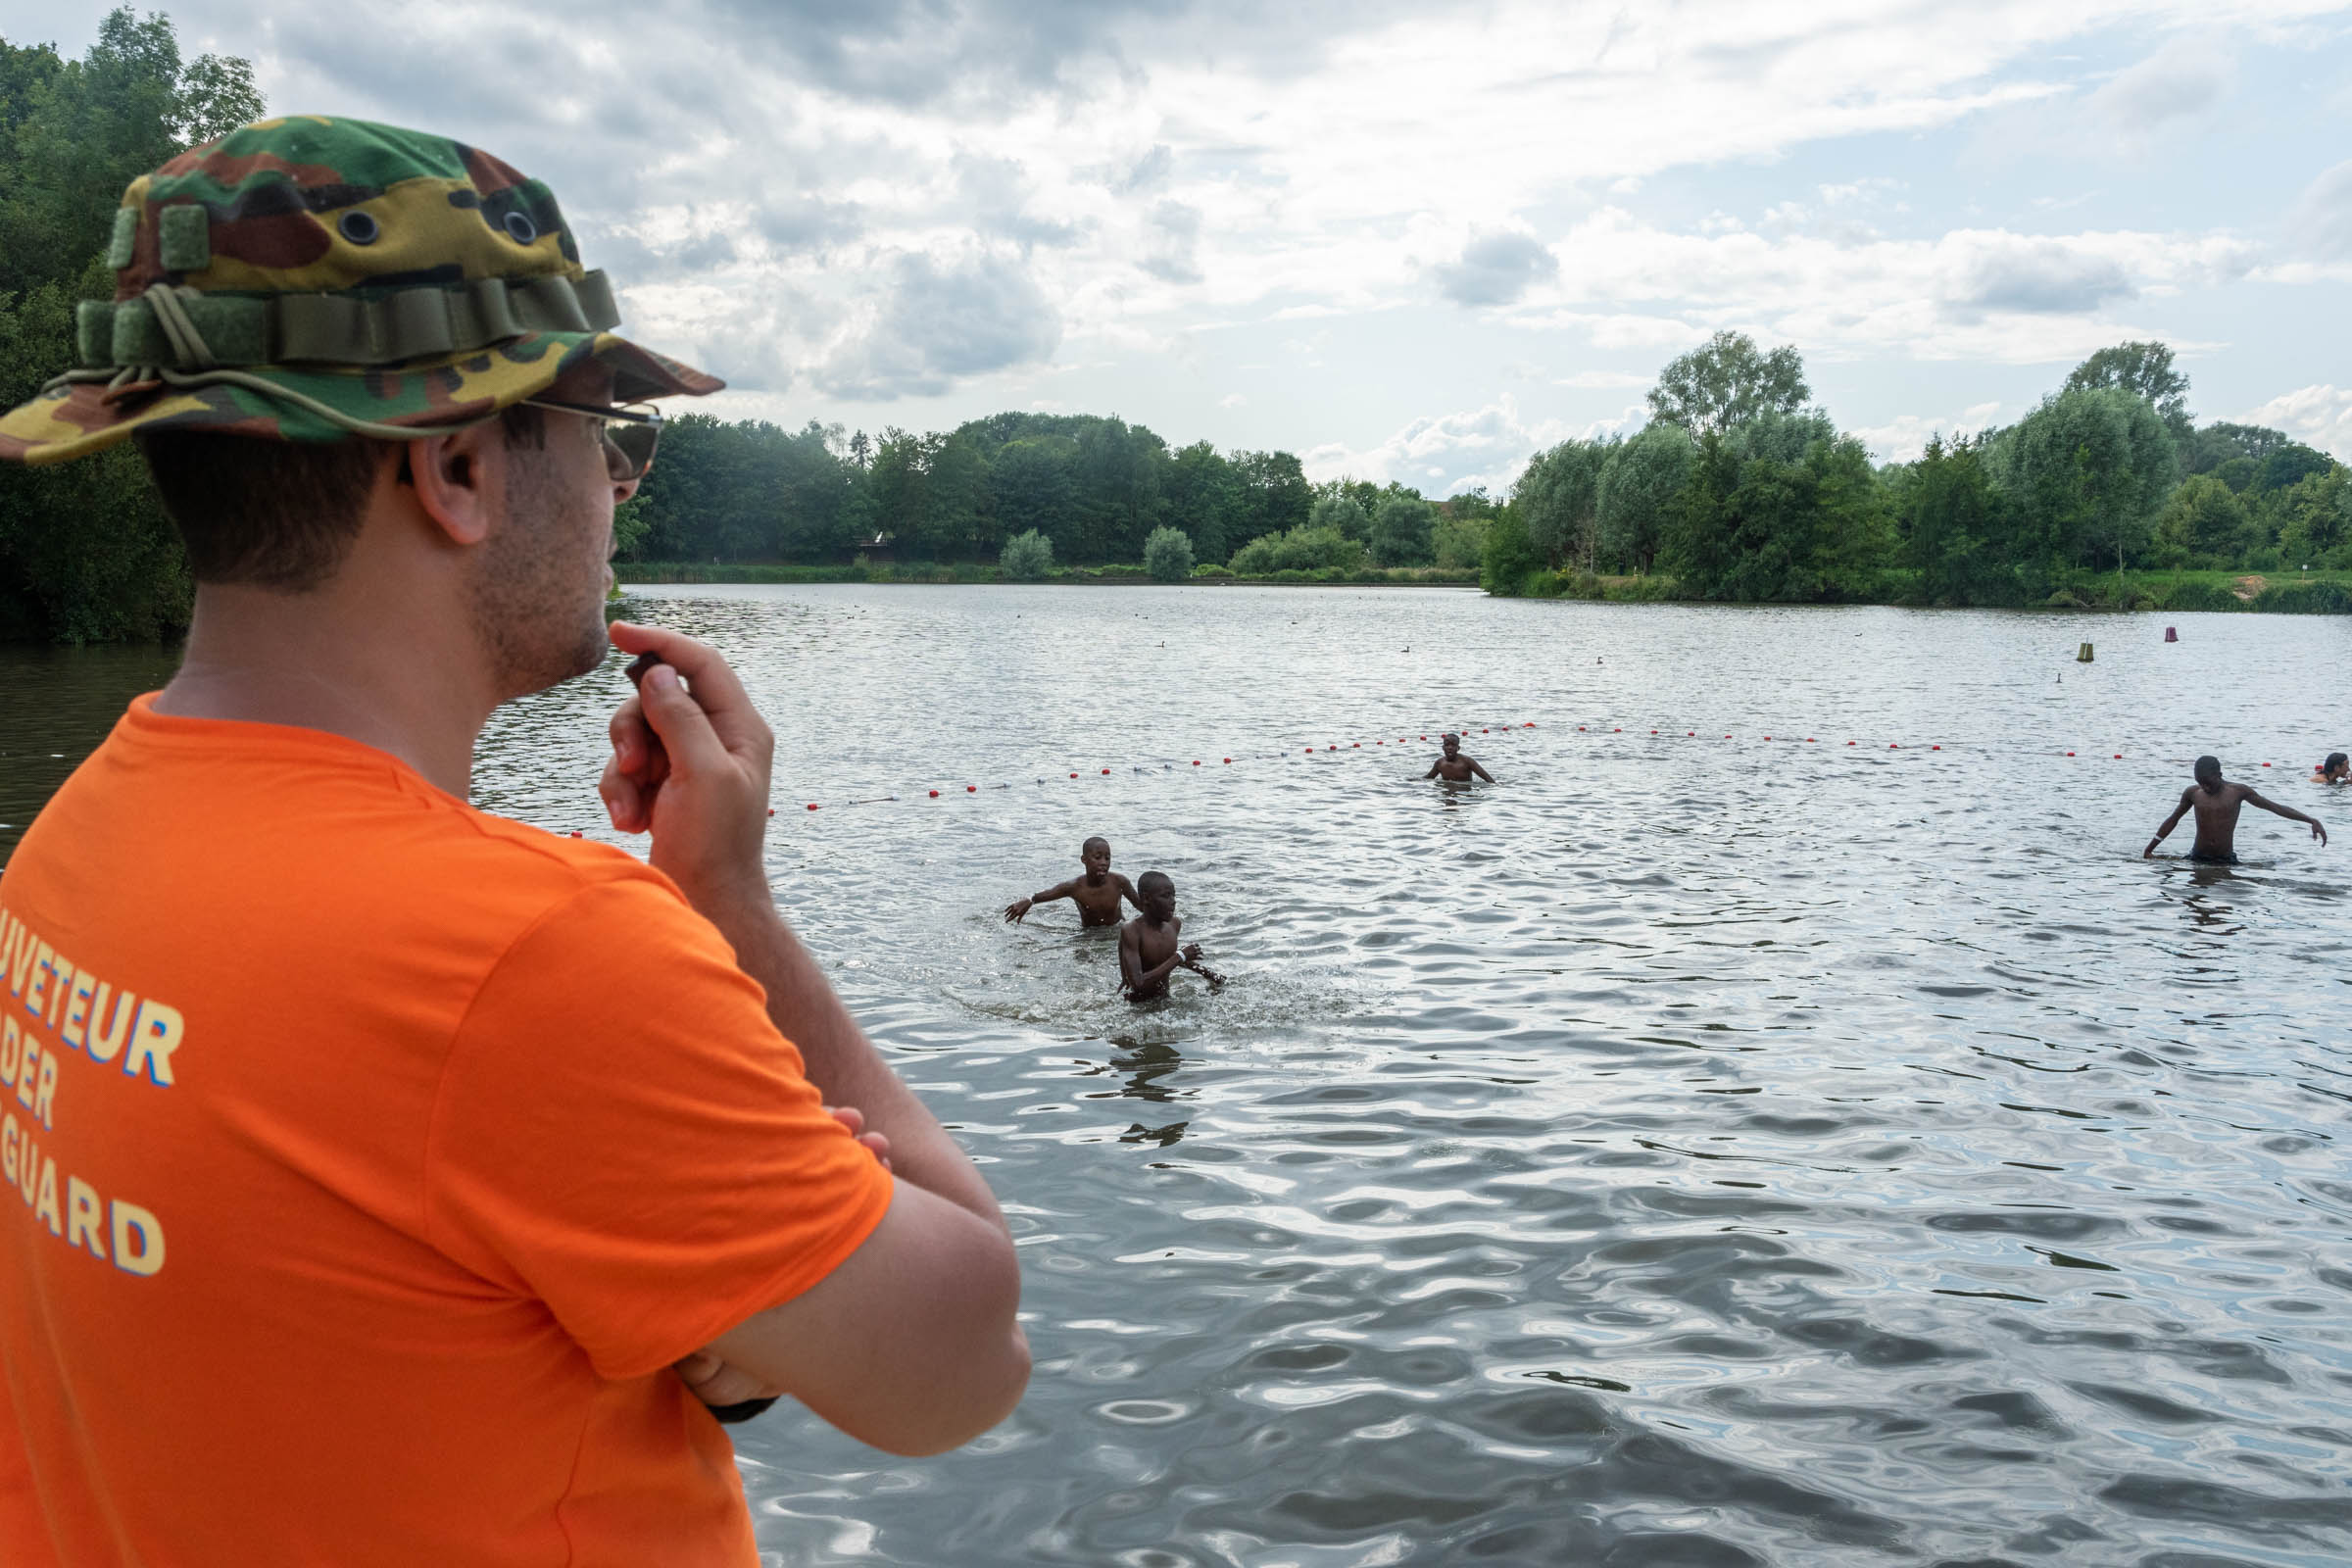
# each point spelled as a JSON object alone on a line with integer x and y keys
{"x": 188, "y": 347}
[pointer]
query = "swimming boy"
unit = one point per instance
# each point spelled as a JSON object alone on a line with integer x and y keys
{"x": 2216, "y": 803}
{"x": 1097, "y": 894}
{"x": 1454, "y": 767}
{"x": 2338, "y": 769}
{"x": 1148, "y": 944}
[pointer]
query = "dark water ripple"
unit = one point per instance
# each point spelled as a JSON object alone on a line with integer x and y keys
{"x": 1689, "y": 1152}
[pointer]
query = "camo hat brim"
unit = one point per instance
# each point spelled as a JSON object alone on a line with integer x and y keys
{"x": 74, "y": 421}
{"x": 308, "y": 278}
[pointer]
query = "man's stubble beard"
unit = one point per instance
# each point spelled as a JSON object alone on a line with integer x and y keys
{"x": 538, "y": 625}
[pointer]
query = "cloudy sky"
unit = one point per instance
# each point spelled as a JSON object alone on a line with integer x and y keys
{"x": 1407, "y": 240}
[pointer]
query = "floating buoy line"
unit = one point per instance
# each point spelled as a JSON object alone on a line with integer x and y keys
{"x": 1514, "y": 729}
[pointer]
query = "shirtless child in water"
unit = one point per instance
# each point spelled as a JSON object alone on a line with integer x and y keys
{"x": 1097, "y": 894}
{"x": 1148, "y": 944}
{"x": 1454, "y": 767}
{"x": 2216, "y": 803}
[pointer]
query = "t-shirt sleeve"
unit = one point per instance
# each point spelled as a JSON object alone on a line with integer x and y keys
{"x": 623, "y": 1132}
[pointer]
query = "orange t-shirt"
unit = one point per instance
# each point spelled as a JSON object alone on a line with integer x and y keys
{"x": 368, "y": 1160}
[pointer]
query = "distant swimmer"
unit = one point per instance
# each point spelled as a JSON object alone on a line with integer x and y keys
{"x": 2216, "y": 803}
{"x": 1097, "y": 894}
{"x": 1454, "y": 767}
{"x": 2338, "y": 769}
{"x": 1148, "y": 944}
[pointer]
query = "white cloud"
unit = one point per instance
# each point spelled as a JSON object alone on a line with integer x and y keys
{"x": 2322, "y": 217}
{"x": 1233, "y": 399}
{"x": 1496, "y": 268}
{"x": 1612, "y": 380}
{"x": 2186, "y": 77}
{"x": 2319, "y": 415}
{"x": 1486, "y": 445}
{"x": 1904, "y": 437}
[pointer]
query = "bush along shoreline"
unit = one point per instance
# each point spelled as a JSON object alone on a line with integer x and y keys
{"x": 2185, "y": 593}
{"x": 657, "y": 573}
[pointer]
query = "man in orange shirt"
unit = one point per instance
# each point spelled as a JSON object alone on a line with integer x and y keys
{"x": 322, "y": 1091}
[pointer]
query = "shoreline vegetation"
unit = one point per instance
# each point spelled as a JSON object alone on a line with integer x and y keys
{"x": 656, "y": 574}
{"x": 1737, "y": 489}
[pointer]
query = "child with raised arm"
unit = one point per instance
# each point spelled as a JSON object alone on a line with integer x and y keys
{"x": 1097, "y": 894}
{"x": 2216, "y": 803}
{"x": 1148, "y": 944}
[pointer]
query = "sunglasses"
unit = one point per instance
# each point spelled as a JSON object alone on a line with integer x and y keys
{"x": 630, "y": 434}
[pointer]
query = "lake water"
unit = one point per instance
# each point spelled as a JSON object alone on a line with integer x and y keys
{"x": 1690, "y": 1150}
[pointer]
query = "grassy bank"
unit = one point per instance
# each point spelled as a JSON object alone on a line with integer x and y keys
{"x": 765, "y": 571}
{"x": 2315, "y": 593}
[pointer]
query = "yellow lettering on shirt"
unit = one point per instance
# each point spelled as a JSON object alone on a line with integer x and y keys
{"x": 36, "y": 976}
{"x": 63, "y": 974}
{"x": 11, "y": 1050}
{"x": 78, "y": 1000}
{"x": 10, "y": 1138}
{"x": 130, "y": 1222}
{"x": 153, "y": 1040}
{"x": 104, "y": 1043}
{"x": 82, "y": 1217}
{"x": 28, "y": 1071}
{"x": 44, "y": 1099}
{"x": 44, "y": 1207}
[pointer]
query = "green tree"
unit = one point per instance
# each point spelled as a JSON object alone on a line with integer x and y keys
{"x": 1640, "y": 485}
{"x": 85, "y": 551}
{"x": 1205, "y": 500}
{"x": 1341, "y": 511}
{"x": 2203, "y": 525}
{"x": 1168, "y": 555}
{"x": 1511, "y": 558}
{"x": 1556, "y": 498}
{"x": 1035, "y": 481}
{"x": 1403, "y": 532}
{"x": 2145, "y": 371}
{"x": 1299, "y": 549}
{"x": 1727, "y": 382}
{"x": 1027, "y": 557}
{"x": 2087, "y": 469}
{"x": 1763, "y": 530}
{"x": 2215, "y": 444}
{"x": 1276, "y": 492}
{"x": 1953, "y": 523}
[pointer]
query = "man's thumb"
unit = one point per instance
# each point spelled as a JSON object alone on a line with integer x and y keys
{"x": 685, "y": 730}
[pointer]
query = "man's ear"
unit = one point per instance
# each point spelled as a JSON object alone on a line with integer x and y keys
{"x": 455, "y": 478}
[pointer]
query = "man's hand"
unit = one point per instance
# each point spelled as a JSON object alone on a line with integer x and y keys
{"x": 708, "y": 813}
{"x": 2320, "y": 833}
{"x": 1191, "y": 952}
{"x": 1016, "y": 910}
{"x": 718, "y": 1383}
{"x": 2149, "y": 853}
{"x": 851, "y": 1117}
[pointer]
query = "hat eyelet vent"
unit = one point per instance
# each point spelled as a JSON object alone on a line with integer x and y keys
{"x": 361, "y": 228}
{"x": 519, "y": 227}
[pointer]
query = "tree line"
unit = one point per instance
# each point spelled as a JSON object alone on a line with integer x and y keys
{"x": 1736, "y": 489}
{"x": 86, "y": 554}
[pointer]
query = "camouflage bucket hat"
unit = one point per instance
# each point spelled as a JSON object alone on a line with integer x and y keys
{"x": 309, "y": 280}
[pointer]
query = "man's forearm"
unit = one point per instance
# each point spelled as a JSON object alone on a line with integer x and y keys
{"x": 843, "y": 1063}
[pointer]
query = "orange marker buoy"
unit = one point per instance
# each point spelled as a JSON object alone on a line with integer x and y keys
{"x": 2118, "y": 757}
{"x": 1768, "y": 737}
{"x": 935, "y": 795}
{"x": 575, "y": 833}
{"x": 1530, "y": 724}
{"x": 1106, "y": 772}
{"x": 1229, "y": 760}
{"x": 972, "y": 789}
{"x": 1850, "y": 743}
{"x": 2266, "y": 765}
{"x": 812, "y": 806}
{"x": 1939, "y": 749}
{"x": 771, "y": 811}
{"x": 1073, "y": 775}
{"x": 1890, "y": 746}
{"x": 2069, "y": 754}
{"x": 1357, "y": 747}
{"x": 1808, "y": 740}
{"x": 1195, "y": 761}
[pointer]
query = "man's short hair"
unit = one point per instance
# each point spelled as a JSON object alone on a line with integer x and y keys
{"x": 278, "y": 515}
{"x": 2207, "y": 768}
{"x": 1153, "y": 879}
{"x": 1088, "y": 848}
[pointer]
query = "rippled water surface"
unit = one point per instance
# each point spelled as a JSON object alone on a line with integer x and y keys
{"x": 1689, "y": 1151}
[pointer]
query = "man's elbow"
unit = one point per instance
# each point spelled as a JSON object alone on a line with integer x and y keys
{"x": 1001, "y": 1376}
